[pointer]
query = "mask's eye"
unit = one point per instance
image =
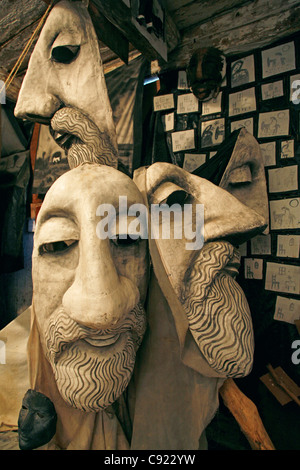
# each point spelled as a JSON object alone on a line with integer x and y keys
{"x": 126, "y": 240}
{"x": 177, "y": 197}
{"x": 240, "y": 175}
{"x": 57, "y": 247}
{"x": 64, "y": 54}
{"x": 170, "y": 193}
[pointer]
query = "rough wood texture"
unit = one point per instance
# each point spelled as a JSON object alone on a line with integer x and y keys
{"x": 15, "y": 15}
{"x": 247, "y": 416}
{"x": 109, "y": 34}
{"x": 119, "y": 15}
{"x": 200, "y": 11}
{"x": 251, "y": 26}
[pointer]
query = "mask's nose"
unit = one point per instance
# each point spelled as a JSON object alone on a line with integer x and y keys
{"x": 37, "y": 101}
{"x": 99, "y": 297}
{"x": 28, "y": 418}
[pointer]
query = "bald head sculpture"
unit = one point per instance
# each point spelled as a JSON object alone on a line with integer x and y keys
{"x": 65, "y": 87}
{"x": 88, "y": 292}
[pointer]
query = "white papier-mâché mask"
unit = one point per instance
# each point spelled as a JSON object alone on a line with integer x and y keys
{"x": 65, "y": 88}
{"x": 89, "y": 291}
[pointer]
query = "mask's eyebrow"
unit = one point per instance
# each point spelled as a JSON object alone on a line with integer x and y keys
{"x": 66, "y": 38}
{"x": 56, "y": 213}
{"x": 53, "y": 227}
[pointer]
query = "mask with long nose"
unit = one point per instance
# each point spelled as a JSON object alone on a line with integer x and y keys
{"x": 65, "y": 88}
{"x": 89, "y": 291}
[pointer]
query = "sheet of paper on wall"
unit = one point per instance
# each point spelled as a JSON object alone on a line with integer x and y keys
{"x": 288, "y": 246}
{"x": 212, "y": 154}
{"x": 273, "y": 123}
{"x": 242, "y": 71}
{"x": 183, "y": 140}
{"x": 278, "y": 59}
{"x": 261, "y": 245}
{"x": 295, "y": 88}
{"x": 247, "y": 123}
{"x": 192, "y": 161}
{"x": 182, "y": 80}
{"x": 287, "y": 309}
{"x": 187, "y": 103}
{"x": 285, "y": 214}
{"x": 268, "y": 152}
{"x": 272, "y": 90}
{"x": 213, "y": 106}
{"x": 287, "y": 149}
{"x": 283, "y": 278}
{"x": 163, "y": 102}
{"x": 242, "y": 102}
{"x": 253, "y": 268}
{"x": 283, "y": 179}
{"x": 168, "y": 121}
{"x": 212, "y": 132}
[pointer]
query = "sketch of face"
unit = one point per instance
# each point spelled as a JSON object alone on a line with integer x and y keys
{"x": 65, "y": 88}
{"x": 88, "y": 292}
{"x": 37, "y": 421}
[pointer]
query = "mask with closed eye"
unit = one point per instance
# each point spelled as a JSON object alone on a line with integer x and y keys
{"x": 65, "y": 88}
{"x": 200, "y": 282}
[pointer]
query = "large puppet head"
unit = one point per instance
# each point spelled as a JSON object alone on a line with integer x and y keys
{"x": 89, "y": 290}
{"x": 65, "y": 87}
{"x": 200, "y": 281}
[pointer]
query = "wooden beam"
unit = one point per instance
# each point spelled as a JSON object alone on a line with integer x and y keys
{"x": 11, "y": 50}
{"x": 120, "y": 15}
{"x": 18, "y": 15}
{"x": 116, "y": 63}
{"x": 109, "y": 34}
{"x": 199, "y": 11}
{"x": 249, "y": 27}
{"x": 246, "y": 414}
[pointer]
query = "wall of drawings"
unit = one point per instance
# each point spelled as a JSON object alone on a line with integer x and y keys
{"x": 260, "y": 91}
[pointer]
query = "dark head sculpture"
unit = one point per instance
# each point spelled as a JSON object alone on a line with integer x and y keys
{"x": 204, "y": 72}
{"x": 37, "y": 420}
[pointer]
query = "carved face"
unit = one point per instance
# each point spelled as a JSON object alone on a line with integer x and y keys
{"x": 37, "y": 420}
{"x": 88, "y": 290}
{"x": 65, "y": 88}
{"x": 204, "y": 73}
{"x": 202, "y": 278}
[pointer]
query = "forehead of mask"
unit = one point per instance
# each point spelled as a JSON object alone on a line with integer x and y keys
{"x": 79, "y": 83}
{"x": 225, "y": 217}
{"x": 68, "y": 214}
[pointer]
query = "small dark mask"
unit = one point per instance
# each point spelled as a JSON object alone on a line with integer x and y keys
{"x": 37, "y": 420}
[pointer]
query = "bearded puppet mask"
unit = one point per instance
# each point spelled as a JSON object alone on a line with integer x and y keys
{"x": 89, "y": 291}
{"x": 65, "y": 87}
{"x": 197, "y": 277}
